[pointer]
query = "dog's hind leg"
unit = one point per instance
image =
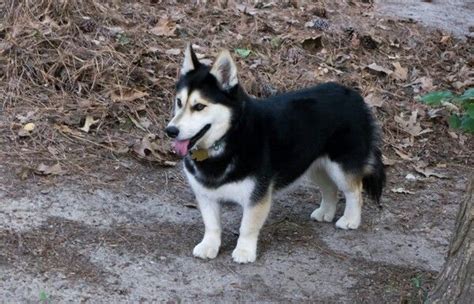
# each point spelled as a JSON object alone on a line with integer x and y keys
{"x": 252, "y": 221}
{"x": 328, "y": 189}
{"x": 351, "y": 186}
{"x": 352, "y": 213}
{"x": 209, "y": 246}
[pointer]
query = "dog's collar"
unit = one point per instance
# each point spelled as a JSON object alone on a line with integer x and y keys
{"x": 203, "y": 154}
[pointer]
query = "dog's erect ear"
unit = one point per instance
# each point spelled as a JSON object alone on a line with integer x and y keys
{"x": 190, "y": 60}
{"x": 225, "y": 71}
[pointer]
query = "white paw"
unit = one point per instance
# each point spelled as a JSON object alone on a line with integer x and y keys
{"x": 323, "y": 215}
{"x": 346, "y": 222}
{"x": 206, "y": 250}
{"x": 244, "y": 255}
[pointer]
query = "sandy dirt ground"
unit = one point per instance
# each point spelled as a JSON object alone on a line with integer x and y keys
{"x": 131, "y": 238}
{"x": 452, "y": 15}
{"x": 122, "y": 230}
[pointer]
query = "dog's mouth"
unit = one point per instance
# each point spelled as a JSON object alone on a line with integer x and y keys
{"x": 182, "y": 147}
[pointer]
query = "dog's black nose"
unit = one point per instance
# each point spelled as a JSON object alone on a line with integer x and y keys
{"x": 172, "y": 131}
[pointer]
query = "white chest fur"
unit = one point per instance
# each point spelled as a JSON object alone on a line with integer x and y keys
{"x": 239, "y": 192}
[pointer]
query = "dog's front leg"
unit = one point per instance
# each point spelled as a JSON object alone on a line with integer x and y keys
{"x": 252, "y": 221}
{"x": 209, "y": 246}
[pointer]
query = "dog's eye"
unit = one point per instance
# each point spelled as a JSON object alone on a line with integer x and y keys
{"x": 178, "y": 102}
{"x": 199, "y": 107}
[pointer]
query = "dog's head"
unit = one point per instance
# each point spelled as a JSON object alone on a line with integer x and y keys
{"x": 204, "y": 103}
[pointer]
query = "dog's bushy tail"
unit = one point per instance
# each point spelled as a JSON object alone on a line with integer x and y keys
{"x": 374, "y": 182}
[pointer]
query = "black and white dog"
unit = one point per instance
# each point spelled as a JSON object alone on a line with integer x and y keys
{"x": 237, "y": 148}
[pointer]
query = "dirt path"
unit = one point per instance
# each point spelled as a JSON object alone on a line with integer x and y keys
{"x": 132, "y": 241}
{"x": 453, "y": 16}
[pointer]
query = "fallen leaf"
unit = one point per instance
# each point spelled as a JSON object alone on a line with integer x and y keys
{"x": 164, "y": 27}
{"x": 26, "y": 130}
{"x": 445, "y": 39}
{"x": 374, "y": 100}
{"x": 29, "y": 127}
{"x": 450, "y": 106}
{"x": 355, "y": 41}
{"x": 246, "y": 9}
{"x": 312, "y": 44}
{"x": 433, "y": 113}
{"x": 114, "y": 30}
{"x": 403, "y": 155}
{"x": 429, "y": 172}
{"x": 24, "y": 118}
{"x": 55, "y": 169}
{"x": 67, "y": 130}
{"x": 154, "y": 49}
{"x": 127, "y": 95}
{"x": 402, "y": 191}
{"x": 379, "y": 69}
{"x": 453, "y": 135}
{"x": 88, "y": 123}
{"x": 387, "y": 161}
{"x": 173, "y": 52}
{"x": 143, "y": 147}
{"x": 411, "y": 126}
{"x": 400, "y": 72}
{"x": 256, "y": 63}
{"x": 405, "y": 143}
{"x": 426, "y": 83}
{"x": 147, "y": 148}
{"x": 143, "y": 124}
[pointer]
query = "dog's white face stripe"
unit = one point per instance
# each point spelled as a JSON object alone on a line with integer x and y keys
{"x": 183, "y": 96}
{"x": 190, "y": 122}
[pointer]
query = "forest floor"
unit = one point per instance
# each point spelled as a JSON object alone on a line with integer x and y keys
{"x": 93, "y": 203}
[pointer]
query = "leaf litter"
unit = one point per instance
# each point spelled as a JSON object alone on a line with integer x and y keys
{"x": 117, "y": 64}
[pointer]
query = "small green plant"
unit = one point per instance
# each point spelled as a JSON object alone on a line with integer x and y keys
{"x": 461, "y": 106}
{"x": 244, "y": 53}
{"x": 122, "y": 39}
{"x": 43, "y": 297}
{"x": 276, "y": 42}
{"x": 416, "y": 281}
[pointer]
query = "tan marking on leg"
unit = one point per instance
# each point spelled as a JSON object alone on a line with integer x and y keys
{"x": 252, "y": 221}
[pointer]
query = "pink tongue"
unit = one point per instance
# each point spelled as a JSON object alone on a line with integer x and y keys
{"x": 181, "y": 147}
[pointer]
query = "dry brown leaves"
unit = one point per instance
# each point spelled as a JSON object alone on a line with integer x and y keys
{"x": 400, "y": 72}
{"x": 55, "y": 169}
{"x": 150, "y": 149}
{"x": 411, "y": 125}
{"x": 165, "y": 27}
{"x": 100, "y": 76}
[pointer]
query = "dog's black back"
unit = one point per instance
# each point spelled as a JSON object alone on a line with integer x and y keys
{"x": 277, "y": 139}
